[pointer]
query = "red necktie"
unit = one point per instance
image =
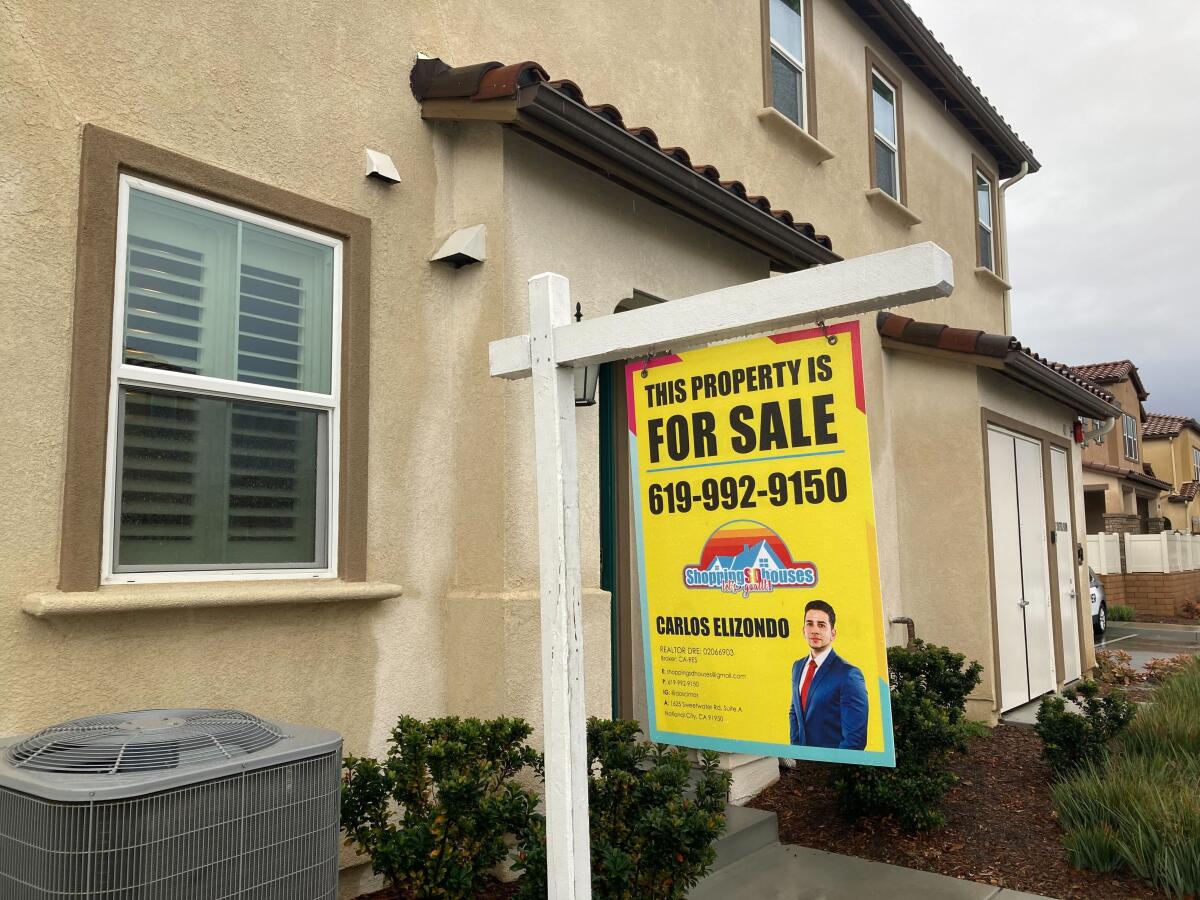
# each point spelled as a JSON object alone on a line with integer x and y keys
{"x": 808, "y": 677}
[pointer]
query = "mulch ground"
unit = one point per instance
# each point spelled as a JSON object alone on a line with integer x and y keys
{"x": 1000, "y": 828}
{"x": 495, "y": 890}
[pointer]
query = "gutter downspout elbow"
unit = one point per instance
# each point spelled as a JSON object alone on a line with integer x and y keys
{"x": 1003, "y": 210}
{"x": 1089, "y": 436}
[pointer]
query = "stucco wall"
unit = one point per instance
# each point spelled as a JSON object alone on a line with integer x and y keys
{"x": 291, "y": 96}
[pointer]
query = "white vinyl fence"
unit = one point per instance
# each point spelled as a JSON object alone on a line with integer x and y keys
{"x": 1144, "y": 553}
{"x": 1104, "y": 553}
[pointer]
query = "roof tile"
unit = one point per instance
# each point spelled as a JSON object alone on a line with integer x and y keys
{"x": 1161, "y": 425}
{"x": 966, "y": 340}
{"x": 493, "y": 80}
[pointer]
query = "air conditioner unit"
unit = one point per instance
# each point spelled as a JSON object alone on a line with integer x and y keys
{"x": 179, "y": 804}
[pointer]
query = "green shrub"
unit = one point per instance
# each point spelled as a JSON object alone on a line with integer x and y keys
{"x": 433, "y": 816}
{"x": 1138, "y": 808}
{"x": 1121, "y": 613}
{"x": 929, "y": 688}
{"x": 1069, "y": 738}
{"x": 653, "y": 818}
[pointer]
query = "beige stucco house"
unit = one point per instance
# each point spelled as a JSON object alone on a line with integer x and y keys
{"x": 1123, "y": 492}
{"x": 1171, "y": 444}
{"x": 251, "y": 451}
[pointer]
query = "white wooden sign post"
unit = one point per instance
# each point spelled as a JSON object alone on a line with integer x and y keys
{"x": 549, "y": 353}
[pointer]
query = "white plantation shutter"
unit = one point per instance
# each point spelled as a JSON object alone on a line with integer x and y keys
{"x": 205, "y": 479}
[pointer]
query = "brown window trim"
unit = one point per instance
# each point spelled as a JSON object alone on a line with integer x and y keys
{"x": 875, "y": 64}
{"x": 106, "y": 155}
{"x": 810, "y": 78}
{"x": 979, "y": 166}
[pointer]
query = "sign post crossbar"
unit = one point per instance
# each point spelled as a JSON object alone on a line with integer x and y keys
{"x": 548, "y": 354}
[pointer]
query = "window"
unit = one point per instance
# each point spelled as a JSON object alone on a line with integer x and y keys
{"x": 985, "y": 235}
{"x": 1130, "y": 428}
{"x": 790, "y": 52}
{"x": 218, "y": 420}
{"x": 224, "y": 397}
{"x": 1195, "y": 464}
{"x": 886, "y": 125}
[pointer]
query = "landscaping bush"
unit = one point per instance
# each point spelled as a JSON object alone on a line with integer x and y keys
{"x": 1161, "y": 668}
{"x": 929, "y": 688}
{"x": 433, "y": 816}
{"x": 1120, "y": 613}
{"x": 1138, "y": 808}
{"x": 1070, "y": 738}
{"x": 1115, "y": 667}
{"x": 653, "y": 818}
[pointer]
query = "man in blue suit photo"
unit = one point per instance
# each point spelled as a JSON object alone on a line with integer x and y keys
{"x": 829, "y": 695}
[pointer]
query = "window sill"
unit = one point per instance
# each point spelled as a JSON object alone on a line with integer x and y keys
{"x": 892, "y": 208}
{"x": 990, "y": 278}
{"x": 809, "y": 145}
{"x": 144, "y": 598}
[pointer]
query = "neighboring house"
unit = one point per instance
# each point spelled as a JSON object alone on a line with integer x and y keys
{"x": 252, "y": 453}
{"x": 1172, "y": 445}
{"x": 1122, "y": 492}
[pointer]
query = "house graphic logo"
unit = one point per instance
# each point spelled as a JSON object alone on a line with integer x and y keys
{"x": 746, "y": 557}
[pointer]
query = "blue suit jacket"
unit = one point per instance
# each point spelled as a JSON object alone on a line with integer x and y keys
{"x": 837, "y": 706}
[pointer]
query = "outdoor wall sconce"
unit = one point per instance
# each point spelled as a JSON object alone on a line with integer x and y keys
{"x": 586, "y": 377}
{"x": 465, "y": 246}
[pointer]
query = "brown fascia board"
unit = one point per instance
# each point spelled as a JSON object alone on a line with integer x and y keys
{"x": 553, "y": 119}
{"x": 1027, "y": 371}
{"x": 908, "y": 37}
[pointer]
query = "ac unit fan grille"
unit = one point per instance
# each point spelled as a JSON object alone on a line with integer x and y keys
{"x": 145, "y": 741}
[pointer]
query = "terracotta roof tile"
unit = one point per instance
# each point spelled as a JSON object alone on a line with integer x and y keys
{"x": 1161, "y": 425}
{"x": 1131, "y": 474}
{"x": 966, "y": 340}
{"x": 1186, "y": 493}
{"x": 493, "y": 80}
{"x": 1111, "y": 373}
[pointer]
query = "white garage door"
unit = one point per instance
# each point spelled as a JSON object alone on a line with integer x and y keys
{"x": 1068, "y": 598}
{"x": 1021, "y": 567}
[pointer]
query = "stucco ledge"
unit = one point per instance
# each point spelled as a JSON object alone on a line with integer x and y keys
{"x": 809, "y": 145}
{"x": 144, "y": 598}
{"x": 892, "y": 208}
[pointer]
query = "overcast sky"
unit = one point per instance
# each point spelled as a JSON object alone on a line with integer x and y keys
{"x": 1104, "y": 241}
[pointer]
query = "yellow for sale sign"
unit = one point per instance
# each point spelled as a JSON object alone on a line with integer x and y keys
{"x": 762, "y": 617}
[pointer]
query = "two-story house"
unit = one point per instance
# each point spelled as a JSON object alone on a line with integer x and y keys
{"x": 253, "y": 455}
{"x": 1122, "y": 492}
{"x": 1171, "y": 444}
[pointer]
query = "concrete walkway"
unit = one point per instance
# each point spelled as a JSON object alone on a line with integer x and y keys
{"x": 787, "y": 872}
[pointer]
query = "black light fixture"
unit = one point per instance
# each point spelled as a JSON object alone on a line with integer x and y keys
{"x": 586, "y": 377}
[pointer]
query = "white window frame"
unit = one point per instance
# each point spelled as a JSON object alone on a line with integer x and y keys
{"x": 1195, "y": 464}
{"x": 797, "y": 64}
{"x": 895, "y": 148}
{"x": 1129, "y": 430}
{"x": 125, "y": 375}
{"x": 982, "y": 178}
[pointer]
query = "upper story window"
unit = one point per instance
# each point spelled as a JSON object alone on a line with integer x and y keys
{"x": 1195, "y": 464}
{"x": 887, "y": 130}
{"x": 1130, "y": 428}
{"x": 985, "y": 230}
{"x": 224, "y": 401}
{"x": 790, "y": 51}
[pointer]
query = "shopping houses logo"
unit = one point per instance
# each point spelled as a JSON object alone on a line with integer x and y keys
{"x": 746, "y": 557}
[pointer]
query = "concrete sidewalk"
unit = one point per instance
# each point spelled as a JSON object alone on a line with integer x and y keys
{"x": 787, "y": 872}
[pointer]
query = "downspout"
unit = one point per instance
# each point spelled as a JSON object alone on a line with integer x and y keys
{"x": 1099, "y": 432}
{"x": 1003, "y": 210}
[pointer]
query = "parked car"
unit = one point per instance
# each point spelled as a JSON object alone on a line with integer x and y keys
{"x": 1099, "y": 605}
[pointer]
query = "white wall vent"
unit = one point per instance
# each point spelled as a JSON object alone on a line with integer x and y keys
{"x": 187, "y": 804}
